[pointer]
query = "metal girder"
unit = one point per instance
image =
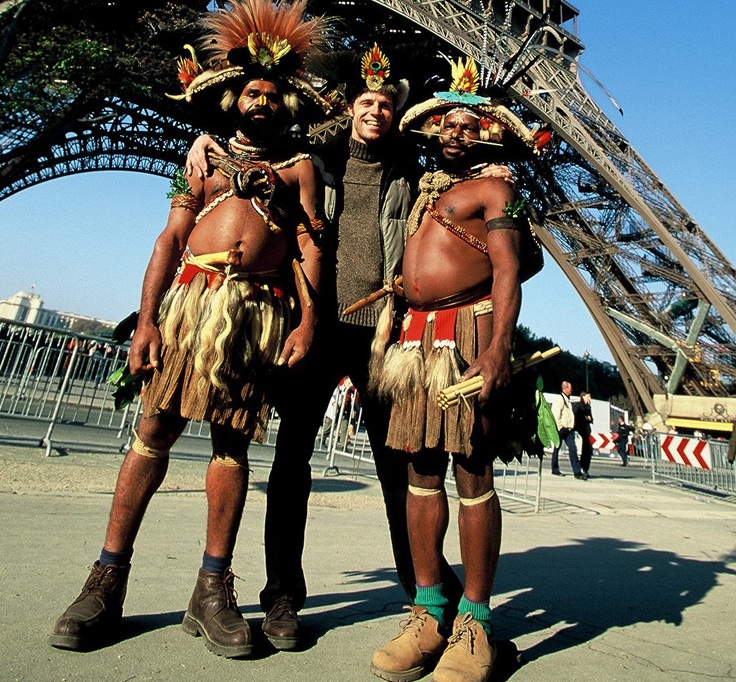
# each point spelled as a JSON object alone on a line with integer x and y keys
{"x": 614, "y": 229}
{"x": 113, "y": 135}
{"x": 618, "y": 234}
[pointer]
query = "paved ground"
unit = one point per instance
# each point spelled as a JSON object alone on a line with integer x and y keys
{"x": 616, "y": 579}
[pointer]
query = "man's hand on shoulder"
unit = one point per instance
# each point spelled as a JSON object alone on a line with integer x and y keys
{"x": 197, "y": 164}
{"x": 501, "y": 172}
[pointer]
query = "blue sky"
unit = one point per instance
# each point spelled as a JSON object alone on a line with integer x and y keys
{"x": 84, "y": 241}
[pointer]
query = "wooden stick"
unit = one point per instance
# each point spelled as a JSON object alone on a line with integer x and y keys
{"x": 372, "y": 298}
{"x": 422, "y": 132}
{"x": 301, "y": 283}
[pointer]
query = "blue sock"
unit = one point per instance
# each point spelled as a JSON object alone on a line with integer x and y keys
{"x": 433, "y": 599}
{"x": 216, "y": 564}
{"x": 481, "y": 611}
{"x": 115, "y": 558}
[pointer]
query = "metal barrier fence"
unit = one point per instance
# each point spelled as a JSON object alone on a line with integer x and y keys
{"x": 59, "y": 377}
{"x": 697, "y": 462}
{"x": 55, "y": 376}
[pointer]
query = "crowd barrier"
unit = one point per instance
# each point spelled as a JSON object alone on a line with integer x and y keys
{"x": 697, "y": 462}
{"x": 58, "y": 377}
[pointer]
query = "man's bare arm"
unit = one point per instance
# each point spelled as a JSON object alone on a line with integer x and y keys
{"x": 146, "y": 344}
{"x": 197, "y": 165}
{"x": 300, "y": 340}
{"x": 494, "y": 363}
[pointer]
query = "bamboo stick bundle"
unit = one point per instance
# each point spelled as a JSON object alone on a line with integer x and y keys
{"x": 470, "y": 388}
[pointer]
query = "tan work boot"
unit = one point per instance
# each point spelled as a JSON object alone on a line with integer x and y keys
{"x": 213, "y": 613}
{"x": 470, "y": 653}
{"x": 410, "y": 654}
{"x": 92, "y": 616}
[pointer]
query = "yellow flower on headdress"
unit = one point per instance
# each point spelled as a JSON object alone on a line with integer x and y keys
{"x": 465, "y": 83}
{"x": 266, "y": 49}
{"x": 465, "y": 76}
{"x": 375, "y": 68}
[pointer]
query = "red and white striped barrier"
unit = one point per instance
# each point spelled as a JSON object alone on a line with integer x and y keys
{"x": 691, "y": 452}
{"x": 601, "y": 441}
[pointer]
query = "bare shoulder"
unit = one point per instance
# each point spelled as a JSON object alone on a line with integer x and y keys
{"x": 495, "y": 185}
{"x": 299, "y": 165}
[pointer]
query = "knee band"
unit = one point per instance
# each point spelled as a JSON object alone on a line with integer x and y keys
{"x": 424, "y": 492}
{"x": 230, "y": 461}
{"x": 144, "y": 450}
{"x": 471, "y": 501}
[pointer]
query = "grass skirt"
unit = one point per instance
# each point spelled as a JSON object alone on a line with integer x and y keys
{"x": 219, "y": 338}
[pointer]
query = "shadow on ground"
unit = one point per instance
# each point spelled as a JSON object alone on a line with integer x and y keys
{"x": 579, "y": 591}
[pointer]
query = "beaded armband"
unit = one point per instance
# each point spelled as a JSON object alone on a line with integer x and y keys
{"x": 503, "y": 223}
{"x": 315, "y": 225}
{"x": 187, "y": 202}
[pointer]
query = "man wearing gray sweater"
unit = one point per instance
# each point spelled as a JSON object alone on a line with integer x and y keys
{"x": 369, "y": 181}
{"x": 370, "y": 176}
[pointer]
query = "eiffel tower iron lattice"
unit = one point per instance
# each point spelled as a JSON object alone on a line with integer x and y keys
{"x": 661, "y": 293}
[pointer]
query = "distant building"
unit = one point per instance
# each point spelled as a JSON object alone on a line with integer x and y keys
{"x": 28, "y": 307}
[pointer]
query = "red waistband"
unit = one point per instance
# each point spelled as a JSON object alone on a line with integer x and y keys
{"x": 189, "y": 271}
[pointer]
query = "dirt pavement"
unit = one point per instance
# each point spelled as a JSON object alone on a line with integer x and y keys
{"x": 616, "y": 579}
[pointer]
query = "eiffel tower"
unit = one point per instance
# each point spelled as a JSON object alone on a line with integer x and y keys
{"x": 659, "y": 290}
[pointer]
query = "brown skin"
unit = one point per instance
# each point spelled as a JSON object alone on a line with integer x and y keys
{"x": 231, "y": 225}
{"x": 438, "y": 264}
{"x": 480, "y": 525}
{"x": 234, "y": 224}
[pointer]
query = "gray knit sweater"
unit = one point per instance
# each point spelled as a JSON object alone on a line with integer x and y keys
{"x": 359, "y": 250}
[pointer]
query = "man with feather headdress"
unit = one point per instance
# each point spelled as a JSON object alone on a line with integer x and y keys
{"x": 462, "y": 271}
{"x": 219, "y": 311}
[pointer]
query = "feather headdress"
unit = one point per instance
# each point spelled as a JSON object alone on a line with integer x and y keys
{"x": 256, "y": 39}
{"x": 262, "y": 35}
{"x": 497, "y": 123}
{"x": 373, "y": 70}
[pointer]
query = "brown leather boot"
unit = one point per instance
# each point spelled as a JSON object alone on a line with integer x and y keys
{"x": 470, "y": 653}
{"x": 410, "y": 654}
{"x": 213, "y": 613}
{"x": 93, "y": 615}
{"x": 281, "y": 625}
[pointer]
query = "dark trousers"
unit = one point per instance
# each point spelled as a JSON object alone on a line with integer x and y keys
{"x": 622, "y": 447}
{"x": 301, "y": 399}
{"x": 586, "y": 451}
{"x": 567, "y": 436}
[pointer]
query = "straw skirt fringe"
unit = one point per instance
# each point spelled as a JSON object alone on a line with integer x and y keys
{"x": 411, "y": 377}
{"x": 217, "y": 343}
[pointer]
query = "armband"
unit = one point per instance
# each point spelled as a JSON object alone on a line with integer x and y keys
{"x": 315, "y": 225}
{"x": 187, "y": 202}
{"x": 503, "y": 223}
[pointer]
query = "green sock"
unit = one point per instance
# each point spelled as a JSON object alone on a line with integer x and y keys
{"x": 481, "y": 611}
{"x": 433, "y": 599}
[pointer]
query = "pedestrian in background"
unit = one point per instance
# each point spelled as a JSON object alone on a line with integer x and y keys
{"x": 622, "y": 440}
{"x": 565, "y": 420}
{"x": 583, "y": 413}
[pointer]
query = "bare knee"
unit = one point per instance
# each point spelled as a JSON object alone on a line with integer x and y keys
{"x": 157, "y": 434}
{"x": 229, "y": 447}
{"x": 427, "y": 474}
{"x": 476, "y": 486}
